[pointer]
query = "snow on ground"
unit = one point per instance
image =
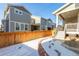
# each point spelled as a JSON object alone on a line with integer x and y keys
{"x": 30, "y": 48}
{"x": 23, "y": 49}
{"x": 54, "y": 48}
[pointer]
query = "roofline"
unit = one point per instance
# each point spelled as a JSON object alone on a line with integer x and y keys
{"x": 12, "y": 5}
{"x": 61, "y": 8}
{"x": 35, "y": 16}
{"x": 38, "y": 17}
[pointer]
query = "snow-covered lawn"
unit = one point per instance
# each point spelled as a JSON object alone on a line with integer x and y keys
{"x": 54, "y": 48}
{"x": 29, "y": 48}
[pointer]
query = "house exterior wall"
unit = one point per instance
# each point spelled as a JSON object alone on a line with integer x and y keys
{"x": 5, "y": 22}
{"x": 50, "y": 23}
{"x": 78, "y": 17}
{"x": 12, "y": 27}
{"x": 78, "y": 20}
{"x": 25, "y": 18}
{"x": 71, "y": 20}
{"x": 71, "y": 16}
{"x": 21, "y": 28}
{"x": 6, "y": 25}
{"x": 67, "y": 8}
{"x": 43, "y": 24}
{"x": 37, "y": 20}
{"x": 13, "y": 18}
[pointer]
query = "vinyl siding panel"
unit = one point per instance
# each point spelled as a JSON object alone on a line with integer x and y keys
{"x": 12, "y": 27}
{"x": 25, "y": 18}
{"x": 6, "y": 25}
{"x": 43, "y": 23}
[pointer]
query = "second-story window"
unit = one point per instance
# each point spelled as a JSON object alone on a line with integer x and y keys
{"x": 19, "y": 12}
{"x": 16, "y": 11}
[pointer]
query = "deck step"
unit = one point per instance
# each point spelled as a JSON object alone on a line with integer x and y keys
{"x": 60, "y": 35}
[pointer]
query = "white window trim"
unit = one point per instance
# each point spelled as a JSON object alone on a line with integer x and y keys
{"x": 27, "y": 26}
{"x": 15, "y": 9}
{"x": 20, "y": 11}
{"x": 20, "y": 26}
{"x": 9, "y": 19}
{"x": 15, "y": 21}
{"x": 23, "y": 25}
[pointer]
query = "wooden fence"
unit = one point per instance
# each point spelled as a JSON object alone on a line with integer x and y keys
{"x": 10, "y": 38}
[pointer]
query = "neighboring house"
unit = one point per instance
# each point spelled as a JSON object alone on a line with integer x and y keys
{"x": 40, "y": 23}
{"x": 69, "y": 13}
{"x": 1, "y": 28}
{"x": 35, "y": 23}
{"x": 16, "y": 18}
{"x": 54, "y": 25}
{"x": 50, "y": 24}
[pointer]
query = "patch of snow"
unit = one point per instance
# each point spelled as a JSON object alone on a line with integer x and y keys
{"x": 54, "y": 48}
{"x": 29, "y": 48}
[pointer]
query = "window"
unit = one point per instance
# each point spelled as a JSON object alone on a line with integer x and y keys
{"x": 19, "y": 12}
{"x": 16, "y": 11}
{"x": 22, "y": 26}
{"x": 17, "y": 26}
{"x": 26, "y": 26}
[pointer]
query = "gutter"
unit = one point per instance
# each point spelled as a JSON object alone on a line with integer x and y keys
{"x": 62, "y": 7}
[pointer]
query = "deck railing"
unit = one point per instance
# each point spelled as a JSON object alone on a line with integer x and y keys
{"x": 72, "y": 27}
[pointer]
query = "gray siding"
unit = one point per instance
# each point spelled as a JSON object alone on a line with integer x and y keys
{"x": 12, "y": 27}
{"x": 29, "y": 27}
{"x": 25, "y": 18}
{"x": 49, "y": 23}
{"x": 43, "y": 24}
{"x": 7, "y": 16}
{"x": 6, "y": 25}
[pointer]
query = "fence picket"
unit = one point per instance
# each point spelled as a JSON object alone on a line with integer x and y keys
{"x": 10, "y": 38}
